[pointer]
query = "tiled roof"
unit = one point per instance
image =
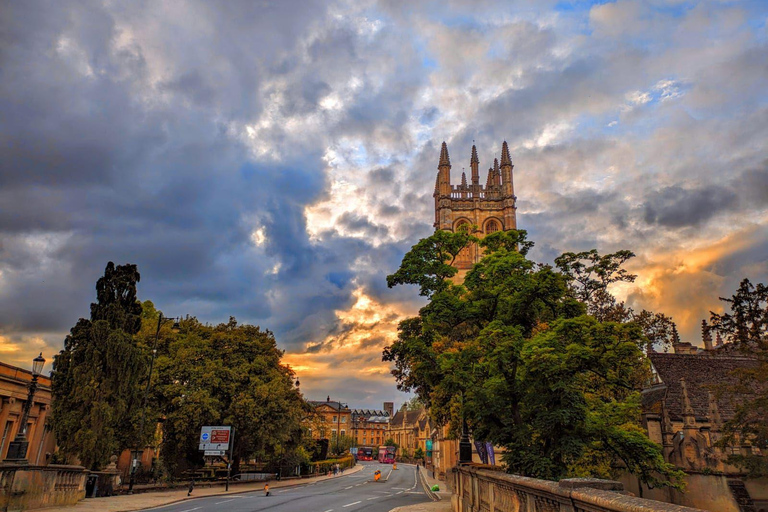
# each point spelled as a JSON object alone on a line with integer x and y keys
{"x": 701, "y": 373}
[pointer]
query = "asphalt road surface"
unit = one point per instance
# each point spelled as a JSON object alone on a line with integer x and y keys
{"x": 347, "y": 493}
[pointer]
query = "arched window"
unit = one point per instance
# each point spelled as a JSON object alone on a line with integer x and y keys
{"x": 491, "y": 227}
{"x": 461, "y": 225}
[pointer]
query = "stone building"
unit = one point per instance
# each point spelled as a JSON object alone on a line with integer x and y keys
{"x": 483, "y": 209}
{"x": 334, "y": 418}
{"x": 410, "y": 430}
{"x": 14, "y": 384}
{"x": 369, "y": 428}
{"x": 684, "y": 414}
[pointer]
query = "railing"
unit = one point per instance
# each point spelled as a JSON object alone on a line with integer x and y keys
{"x": 25, "y": 487}
{"x": 482, "y": 490}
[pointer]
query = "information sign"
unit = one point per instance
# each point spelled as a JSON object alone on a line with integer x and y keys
{"x": 215, "y": 439}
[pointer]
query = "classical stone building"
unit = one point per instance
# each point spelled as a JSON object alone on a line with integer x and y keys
{"x": 334, "y": 418}
{"x": 482, "y": 209}
{"x": 14, "y": 383}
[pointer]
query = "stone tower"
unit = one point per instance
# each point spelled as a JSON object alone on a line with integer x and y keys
{"x": 490, "y": 208}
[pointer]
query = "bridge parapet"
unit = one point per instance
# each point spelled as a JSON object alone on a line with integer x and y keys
{"x": 482, "y": 490}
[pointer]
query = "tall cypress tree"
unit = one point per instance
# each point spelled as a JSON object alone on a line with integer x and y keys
{"x": 96, "y": 379}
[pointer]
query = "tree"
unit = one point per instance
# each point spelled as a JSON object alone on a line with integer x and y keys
{"x": 512, "y": 353}
{"x": 657, "y": 328}
{"x": 414, "y": 404}
{"x": 418, "y": 453}
{"x": 590, "y": 273}
{"x": 391, "y": 442}
{"x": 746, "y": 326}
{"x": 97, "y": 377}
{"x": 227, "y": 374}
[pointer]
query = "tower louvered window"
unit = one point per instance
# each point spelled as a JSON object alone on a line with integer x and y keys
{"x": 491, "y": 227}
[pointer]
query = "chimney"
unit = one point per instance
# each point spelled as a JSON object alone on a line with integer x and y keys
{"x": 328, "y": 399}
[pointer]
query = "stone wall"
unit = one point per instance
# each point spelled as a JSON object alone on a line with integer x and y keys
{"x": 481, "y": 490}
{"x": 24, "y": 487}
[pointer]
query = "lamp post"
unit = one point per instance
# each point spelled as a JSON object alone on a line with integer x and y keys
{"x": 136, "y": 454}
{"x": 17, "y": 449}
{"x": 465, "y": 446}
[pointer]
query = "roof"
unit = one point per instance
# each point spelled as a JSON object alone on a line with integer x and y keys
{"x": 330, "y": 403}
{"x": 702, "y": 372}
{"x": 410, "y": 417}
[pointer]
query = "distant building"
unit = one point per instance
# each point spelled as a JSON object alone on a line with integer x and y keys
{"x": 369, "y": 428}
{"x": 14, "y": 384}
{"x": 410, "y": 430}
{"x": 335, "y": 418}
{"x": 490, "y": 208}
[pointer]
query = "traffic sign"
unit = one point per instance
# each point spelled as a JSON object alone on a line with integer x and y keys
{"x": 214, "y": 453}
{"x": 215, "y": 438}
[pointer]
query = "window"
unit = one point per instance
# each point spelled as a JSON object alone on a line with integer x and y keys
{"x": 334, "y": 419}
{"x": 322, "y": 433}
{"x": 8, "y": 426}
{"x": 333, "y": 433}
{"x": 343, "y": 432}
{"x": 343, "y": 419}
{"x": 491, "y": 226}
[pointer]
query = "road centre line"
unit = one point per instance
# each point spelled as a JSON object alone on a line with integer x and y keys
{"x": 191, "y": 509}
{"x": 374, "y": 498}
{"x": 225, "y": 501}
{"x": 351, "y": 486}
{"x": 350, "y": 504}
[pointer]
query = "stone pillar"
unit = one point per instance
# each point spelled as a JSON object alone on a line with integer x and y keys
{"x": 39, "y": 437}
{"x": 4, "y": 415}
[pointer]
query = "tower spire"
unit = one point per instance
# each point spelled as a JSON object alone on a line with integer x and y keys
{"x": 463, "y": 179}
{"x": 505, "y": 159}
{"x": 474, "y": 164}
{"x": 444, "y": 158}
{"x": 496, "y": 173}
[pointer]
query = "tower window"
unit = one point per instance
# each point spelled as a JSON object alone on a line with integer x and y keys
{"x": 491, "y": 226}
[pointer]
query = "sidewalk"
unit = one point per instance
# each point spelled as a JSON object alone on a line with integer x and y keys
{"x": 129, "y": 503}
{"x": 444, "y": 505}
{"x": 444, "y": 493}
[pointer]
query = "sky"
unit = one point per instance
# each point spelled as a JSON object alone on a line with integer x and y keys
{"x": 274, "y": 160}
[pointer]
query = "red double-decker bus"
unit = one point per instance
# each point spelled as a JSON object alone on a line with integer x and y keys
{"x": 387, "y": 454}
{"x": 365, "y": 453}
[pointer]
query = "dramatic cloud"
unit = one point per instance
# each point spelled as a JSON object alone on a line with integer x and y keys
{"x": 274, "y": 160}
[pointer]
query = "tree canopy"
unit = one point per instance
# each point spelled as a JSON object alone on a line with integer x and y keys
{"x": 97, "y": 377}
{"x": 513, "y": 353}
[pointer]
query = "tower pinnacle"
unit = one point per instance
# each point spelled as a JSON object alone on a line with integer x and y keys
{"x": 505, "y": 159}
{"x": 444, "y": 159}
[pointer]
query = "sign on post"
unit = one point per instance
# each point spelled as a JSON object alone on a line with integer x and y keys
{"x": 215, "y": 439}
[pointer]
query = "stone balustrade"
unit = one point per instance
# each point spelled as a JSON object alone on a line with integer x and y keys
{"x": 482, "y": 490}
{"x": 24, "y": 487}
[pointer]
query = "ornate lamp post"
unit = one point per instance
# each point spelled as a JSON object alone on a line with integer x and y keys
{"x": 136, "y": 454}
{"x": 17, "y": 449}
{"x": 465, "y": 446}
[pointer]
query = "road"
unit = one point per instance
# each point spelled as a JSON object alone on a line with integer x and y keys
{"x": 347, "y": 493}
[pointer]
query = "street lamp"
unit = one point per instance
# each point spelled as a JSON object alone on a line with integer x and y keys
{"x": 136, "y": 454}
{"x": 17, "y": 449}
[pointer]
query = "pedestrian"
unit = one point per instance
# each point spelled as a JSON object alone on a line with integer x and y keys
{"x": 191, "y": 487}
{"x": 266, "y": 489}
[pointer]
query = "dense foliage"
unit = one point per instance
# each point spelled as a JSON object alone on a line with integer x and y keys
{"x": 97, "y": 377}
{"x": 227, "y": 374}
{"x": 746, "y": 326}
{"x": 513, "y": 354}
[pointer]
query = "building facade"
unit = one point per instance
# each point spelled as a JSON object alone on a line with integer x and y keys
{"x": 481, "y": 209}
{"x": 333, "y": 419}
{"x": 14, "y": 383}
{"x": 369, "y": 428}
{"x": 684, "y": 413}
{"x": 410, "y": 430}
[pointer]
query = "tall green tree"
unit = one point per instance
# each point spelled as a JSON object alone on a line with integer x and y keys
{"x": 228, "y": 374}
{"x": 512, "y": 354}
{"x": 745, "y": 325}
{"x": 96, "y": 378}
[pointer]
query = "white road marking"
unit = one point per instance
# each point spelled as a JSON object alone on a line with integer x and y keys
{"x": 351, "y": 486}
{"x": 401, "y": 492}
{"x": 225, "y": 501}
{"x": 191, "y": 509}
{"x": 403, "y": 488}
{"x": 329, "y": 510}
{"x": 350, "y": 504}
{"x": 374, "y": 498}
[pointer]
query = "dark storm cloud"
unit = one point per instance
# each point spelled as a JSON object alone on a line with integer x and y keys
{"x": 676, "y": 207}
